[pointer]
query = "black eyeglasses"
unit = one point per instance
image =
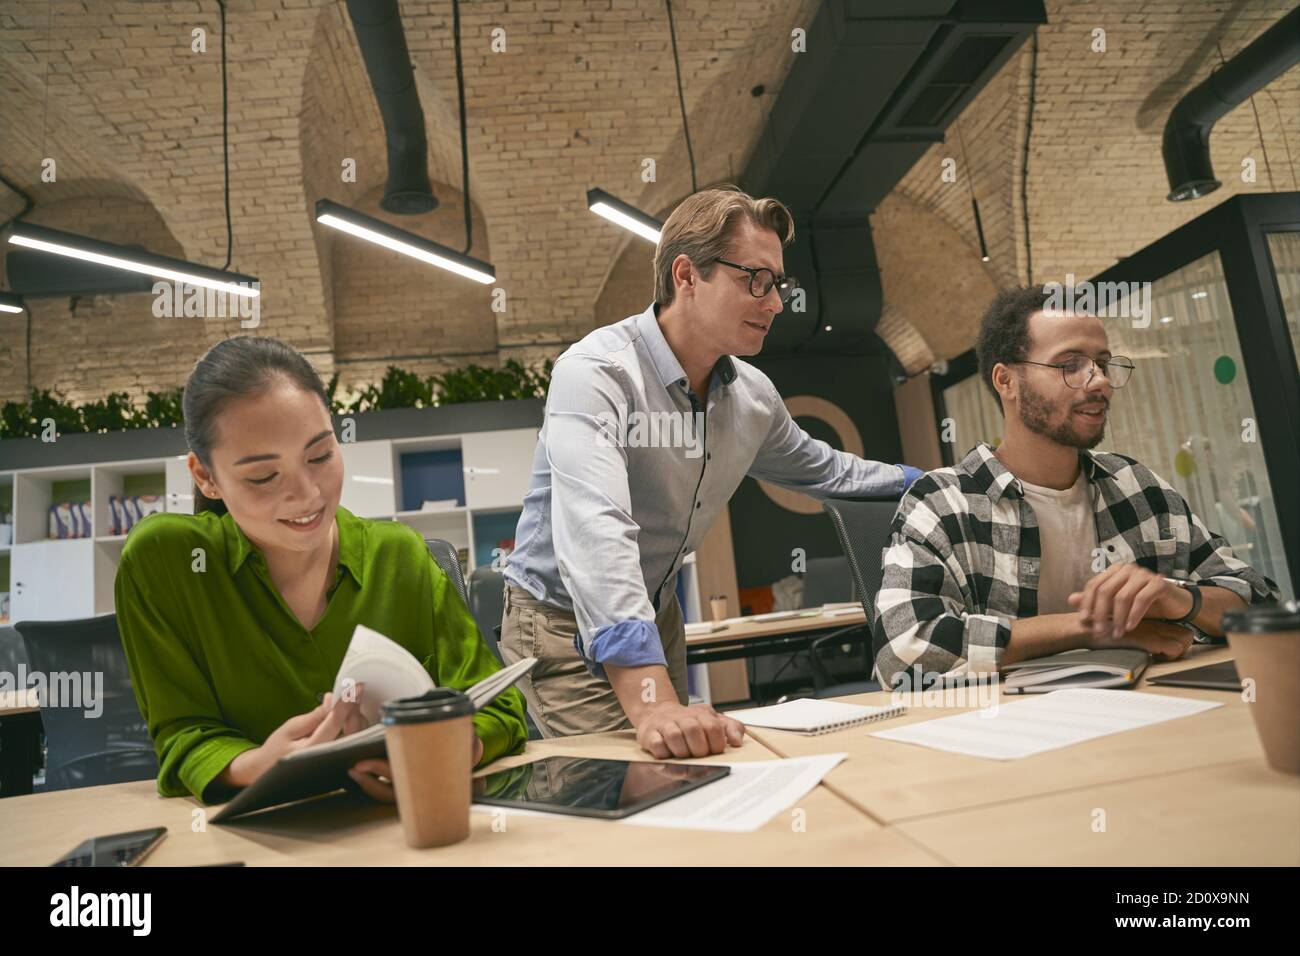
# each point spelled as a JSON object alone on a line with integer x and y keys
{"x": 1078, "y": 371}
{"x": 761, "y": 281}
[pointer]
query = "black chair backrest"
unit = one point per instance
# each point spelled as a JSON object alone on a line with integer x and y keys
{"x": 827, "y": 581}
{"x": 487, "y": 603}
{"x": 445, "y": 555}
{"x": 12, "y": 650}
{"x": 93, "y": 727}
{"x": 863, "y": 529}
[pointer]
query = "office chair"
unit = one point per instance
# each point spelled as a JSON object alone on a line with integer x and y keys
{"x": 485, "y": 600}
{"x": 445, "y": 555}
{"x": 487, "y": 603}
{"x": 863, "y": 529}
{"x": 82, "y": 750}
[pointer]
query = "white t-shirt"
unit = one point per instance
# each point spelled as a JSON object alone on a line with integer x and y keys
{"x": 1067, "y": 536}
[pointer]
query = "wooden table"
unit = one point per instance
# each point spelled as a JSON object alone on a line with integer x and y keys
{"x": 1195, "y": 789}
{"x": 14, "y": 702}
{"x": 745, "y": 638}
{"x": 353, "y": 830}
{"x": 748, "y": 629}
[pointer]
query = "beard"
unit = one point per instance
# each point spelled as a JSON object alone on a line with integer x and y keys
{"x": 1036, "y": 413}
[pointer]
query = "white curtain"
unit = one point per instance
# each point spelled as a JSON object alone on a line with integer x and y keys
{"x": 1284, "y": 248}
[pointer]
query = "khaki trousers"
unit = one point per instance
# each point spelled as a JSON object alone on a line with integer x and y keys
{"x": 563, "y": 697}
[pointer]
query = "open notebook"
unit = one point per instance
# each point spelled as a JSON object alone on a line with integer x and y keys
{"x": 388, "y": 671}
{"x": 809, "y": 716}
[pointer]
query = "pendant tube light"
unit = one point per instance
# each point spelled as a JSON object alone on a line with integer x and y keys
{"x": 399, "y": 240}
{"x": 623, "y": 214}
{"x": 129, "y": 259}
{"x": 9, "y": 302}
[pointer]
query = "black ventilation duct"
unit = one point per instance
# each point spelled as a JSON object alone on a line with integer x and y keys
{"x": 881, "y": 81}
{"x": 1186, "y": 145}
{"x": 378, "y": 26}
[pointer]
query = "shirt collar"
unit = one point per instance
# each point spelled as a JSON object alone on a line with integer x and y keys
{"x": 665, "y": 361}
{"x": 995, "y": 480}
{"x": 352, "y": 543}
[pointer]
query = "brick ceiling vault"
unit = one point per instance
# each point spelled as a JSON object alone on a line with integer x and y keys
{"x": 583, "y": 94}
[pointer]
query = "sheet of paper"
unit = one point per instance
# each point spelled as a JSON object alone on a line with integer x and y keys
{"x": 743, "y": 801}
{"x": 1055, "y": 720}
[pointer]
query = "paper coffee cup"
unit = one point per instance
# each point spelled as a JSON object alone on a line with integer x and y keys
{"x": 718, "y": 607}
{"x": 430, "y": 742}
{"x": 1265, "y": 641}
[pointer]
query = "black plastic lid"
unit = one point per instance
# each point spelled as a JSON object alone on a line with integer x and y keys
{"x": 1262, "y": 619}
{"x": 441, "y": 703}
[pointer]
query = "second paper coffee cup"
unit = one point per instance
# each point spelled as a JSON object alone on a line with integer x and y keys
{"x": 1265, "y": 640}
{"x": 430, "y": 742}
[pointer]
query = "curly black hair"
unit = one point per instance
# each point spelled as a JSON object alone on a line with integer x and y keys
{"x": 1004, "y": 330}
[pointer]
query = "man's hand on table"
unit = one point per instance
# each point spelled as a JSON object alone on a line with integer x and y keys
{"x": 668, "y": 730}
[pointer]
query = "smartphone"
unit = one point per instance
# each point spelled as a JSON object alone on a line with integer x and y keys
{"x": 118, "y": 849}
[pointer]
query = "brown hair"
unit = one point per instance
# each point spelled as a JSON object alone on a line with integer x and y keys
{"x": 239, "y": 366}
{"x": 703, "y": 225}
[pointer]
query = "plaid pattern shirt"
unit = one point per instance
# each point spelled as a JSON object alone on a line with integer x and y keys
{"x": 964, "y": 555}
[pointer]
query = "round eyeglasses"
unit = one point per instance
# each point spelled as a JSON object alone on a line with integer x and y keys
{"x": 761, "y": 281}
{"x": 1078, "y": 371}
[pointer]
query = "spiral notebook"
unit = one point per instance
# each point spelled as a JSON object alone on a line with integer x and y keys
{"x": 810, "y": 716}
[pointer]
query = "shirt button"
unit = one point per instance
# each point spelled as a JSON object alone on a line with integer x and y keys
{"x": 697, "y": 504}
{"x": 708, "y": 456}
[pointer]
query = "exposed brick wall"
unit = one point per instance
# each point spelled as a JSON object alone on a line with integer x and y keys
{"x": 583, "y": 94}
{"x": 1097, "y": 184}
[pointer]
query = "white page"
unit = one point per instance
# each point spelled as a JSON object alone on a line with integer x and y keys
{"x": 387, "y": 669}
{"x": 389, "y": 672}
{"x": 741, "y": 802}
{"x": 1055, "y": 720}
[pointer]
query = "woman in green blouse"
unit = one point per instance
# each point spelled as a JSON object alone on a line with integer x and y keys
{"x": 235, "y": 619}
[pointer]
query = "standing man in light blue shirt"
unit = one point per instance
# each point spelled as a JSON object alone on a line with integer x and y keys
{"x": 651, "y": 423}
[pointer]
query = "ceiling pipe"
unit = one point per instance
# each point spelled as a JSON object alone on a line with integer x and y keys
{"x": 382, "y": 40}
{"x": 1186, "y": 144}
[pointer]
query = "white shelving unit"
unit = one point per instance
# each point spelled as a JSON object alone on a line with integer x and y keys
{"x": 58, "y": 579}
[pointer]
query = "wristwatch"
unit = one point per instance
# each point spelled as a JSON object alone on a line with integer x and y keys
{"x": 1195, "y": 592}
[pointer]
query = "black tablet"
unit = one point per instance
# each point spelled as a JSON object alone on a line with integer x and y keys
{"x": 590, "y": 787}
{"x": 1220, "y": 676}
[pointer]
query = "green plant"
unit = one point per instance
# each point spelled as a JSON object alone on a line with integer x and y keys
{"x": 474, "y": 383}
{"x": 163, "y": 409}
{"x": 14, "y": 420}
{"x": 114, "y": 413}
{"x": 26, "y": 419}
{"x": 397, "y": 389}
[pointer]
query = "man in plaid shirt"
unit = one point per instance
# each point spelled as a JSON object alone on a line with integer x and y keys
{"x": 1043, "y": 546}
